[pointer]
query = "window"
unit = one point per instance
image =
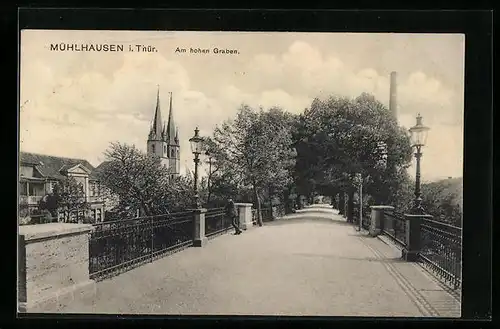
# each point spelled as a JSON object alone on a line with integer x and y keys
{"x": 80, "y": 186}
{"x": 165, "y": 148}
{"x": 98, "y": 215}
{"x": 23, "y": 190}
{"x": 153, "y": 148}
{"x": 172, "y": 153}
{"x": 92, "y": 189}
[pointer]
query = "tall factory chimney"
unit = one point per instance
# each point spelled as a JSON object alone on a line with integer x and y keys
{"x": 393, "y": 104}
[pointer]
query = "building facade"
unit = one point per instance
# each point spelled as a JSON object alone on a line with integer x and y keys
{"x": 38, "y": 175}
{"x": 163, "y": 139}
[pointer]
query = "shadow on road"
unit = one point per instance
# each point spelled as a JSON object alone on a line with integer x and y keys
{"x": 362, "y": 234}
{"x": 306, "y": 219}
{"x": 320, "y": 210}
{"x": 362, "y": 259}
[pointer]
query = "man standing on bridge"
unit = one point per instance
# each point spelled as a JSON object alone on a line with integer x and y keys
{"x": 232, "y": 213}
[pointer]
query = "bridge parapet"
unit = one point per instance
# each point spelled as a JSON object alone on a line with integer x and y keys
{"x": 377, "y": 218}
{"x": 53, "y": 265}
{"x": 245, "y": 213}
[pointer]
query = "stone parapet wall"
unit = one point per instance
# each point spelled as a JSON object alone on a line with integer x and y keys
{"x": 56, "y": 264}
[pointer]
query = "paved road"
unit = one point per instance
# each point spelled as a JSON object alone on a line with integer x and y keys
{"x": 312, "y": 263}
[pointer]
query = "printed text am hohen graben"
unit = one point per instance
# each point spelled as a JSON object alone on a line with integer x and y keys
{"x": 198, "y": 50}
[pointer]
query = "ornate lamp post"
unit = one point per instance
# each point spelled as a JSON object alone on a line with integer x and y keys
{"x": 380, "y": 152}
{"x": 209, "y": 181}
{"x": 196, "y": 147}
{"x": 418, "y": 139}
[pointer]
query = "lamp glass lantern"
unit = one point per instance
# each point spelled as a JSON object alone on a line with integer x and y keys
{"x": 196, "y": 142}
{"x": 419, "y": 132}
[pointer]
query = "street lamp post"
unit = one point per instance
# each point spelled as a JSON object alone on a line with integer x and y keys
{"x": 196, "y": 147}
{"x": 207, "y": 153}
{"x": 418, "y": 138}
{"x": 381, "y": 152}
{"x": 359, "y": 178}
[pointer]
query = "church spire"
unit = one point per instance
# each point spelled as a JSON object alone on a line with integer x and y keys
{"x": 157, "y": 123}
{"x": 171, "y": 124}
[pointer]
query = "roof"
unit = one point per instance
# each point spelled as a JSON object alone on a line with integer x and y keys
{"x": 52, "y": 166}
{"x": 99, "y": 169}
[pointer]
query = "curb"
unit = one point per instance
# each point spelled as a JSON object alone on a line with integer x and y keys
{"x": 430, "y": 275}
{"x": 420, "y": 302}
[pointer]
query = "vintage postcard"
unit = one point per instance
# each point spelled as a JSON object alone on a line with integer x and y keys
{"x": 240, "y": 173}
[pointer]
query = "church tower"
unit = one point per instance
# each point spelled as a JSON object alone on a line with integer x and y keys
{"x": 173, "y": 146}
{"x": 157, "y": 144}
{"x": 163, "y": 140}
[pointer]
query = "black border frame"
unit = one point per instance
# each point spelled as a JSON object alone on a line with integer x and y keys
{"x": 478, "y": 127}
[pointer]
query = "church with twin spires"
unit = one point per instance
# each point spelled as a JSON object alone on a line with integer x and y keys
{"x": 163, "y": 139}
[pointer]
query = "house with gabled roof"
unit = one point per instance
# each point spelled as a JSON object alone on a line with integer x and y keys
{"x": 39, "y": 173}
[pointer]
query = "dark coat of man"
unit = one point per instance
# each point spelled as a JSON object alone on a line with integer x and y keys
{"x": 231, "y": 209}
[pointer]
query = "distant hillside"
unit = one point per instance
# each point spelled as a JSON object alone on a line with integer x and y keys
{"x": 447, "y": 188}
{"x": 444, "y": 198}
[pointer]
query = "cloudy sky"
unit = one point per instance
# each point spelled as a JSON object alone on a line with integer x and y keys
{"x": 74, "y": 104}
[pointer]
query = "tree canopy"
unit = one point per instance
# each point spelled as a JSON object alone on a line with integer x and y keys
{"x": 141, "y": 182}
{"x": 67, "y": 195}
{"x": 338, "y": 137}
{"x": 255, "y": 149}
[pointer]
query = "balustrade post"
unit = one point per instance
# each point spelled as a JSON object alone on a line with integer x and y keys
{"x": 377, "y": 219}
{"x": 245, "y": 215}
{"x": 63, "y": 250}
{"x": 388, "y": 225}
{"x": 199, "y": 227}
{"x": 413, "y": 230}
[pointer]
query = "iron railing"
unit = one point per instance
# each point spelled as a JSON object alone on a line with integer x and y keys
{"x": 267, "y": 214}
{"x": 216, "y": 222}
{"x": 394, "y": 226}
{"x": 121, "y": 245}
{"x": 441, "y": 250}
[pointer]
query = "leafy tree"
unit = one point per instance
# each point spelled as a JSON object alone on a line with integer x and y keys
{"x": 255, "y": 149}
{"x": 68, "y": 196}
{"x": 221, "y": 180}
{"x": 278, "y": 125}
{"x": 338, "y": 138}
{"x": 141, "y": 182}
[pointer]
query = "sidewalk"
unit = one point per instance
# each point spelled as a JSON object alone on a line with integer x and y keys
{"x": 296, "y": 266}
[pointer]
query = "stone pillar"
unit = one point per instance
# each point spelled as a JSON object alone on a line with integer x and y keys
{"x": 245, "y": 213}
{"x": 199, "y": 227}
{"x": 413, "y": 234}
{"x": 377, "y": 219}
{"x": 56, "y": 266}
{"x": 388, "y": 226}
{"x": 87, "y": 189}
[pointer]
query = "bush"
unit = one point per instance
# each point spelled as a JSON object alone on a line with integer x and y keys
{"x": 24, "y": 220}
{"x": 88, "y": 220}
{"x": 46, "y": 217}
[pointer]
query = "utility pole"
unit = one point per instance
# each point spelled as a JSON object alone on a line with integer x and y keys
{"x": 361, "y": 203}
